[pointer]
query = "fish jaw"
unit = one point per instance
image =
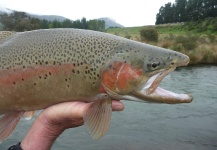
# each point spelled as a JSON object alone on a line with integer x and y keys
{"x": 151, "y": 92}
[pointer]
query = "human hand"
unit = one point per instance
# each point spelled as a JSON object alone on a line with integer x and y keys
{"x": 54, "y": 120}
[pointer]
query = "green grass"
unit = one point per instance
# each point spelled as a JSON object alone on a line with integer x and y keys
{"x": 200, "y": 27}
{"x": 134, "y": 31}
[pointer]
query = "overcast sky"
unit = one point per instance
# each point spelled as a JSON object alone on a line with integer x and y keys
{"x": 126, "y": 12}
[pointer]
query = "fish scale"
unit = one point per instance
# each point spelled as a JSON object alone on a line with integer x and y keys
{"x": 44, "y": 67}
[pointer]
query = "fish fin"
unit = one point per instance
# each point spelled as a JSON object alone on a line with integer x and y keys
{"x": 28, "y": 115}
{"x": 97, "y": 118}
{"x": 7, "y": 124}
{"x": 5, "y": 34}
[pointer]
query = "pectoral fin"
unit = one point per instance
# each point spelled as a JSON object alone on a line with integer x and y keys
{"x": 7, "y": 124}
{"x": 97, "y": 118}
{"x": 28, "y": 115}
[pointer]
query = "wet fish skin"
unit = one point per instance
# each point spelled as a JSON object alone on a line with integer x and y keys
{"x": 44, "y": 67}
{"x": 76, "y": 54}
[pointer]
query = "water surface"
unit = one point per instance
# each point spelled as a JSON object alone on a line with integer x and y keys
{"x": 153, "y": 126}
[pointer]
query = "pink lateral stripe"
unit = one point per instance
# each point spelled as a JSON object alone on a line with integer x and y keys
{"x": 17, "y": 74}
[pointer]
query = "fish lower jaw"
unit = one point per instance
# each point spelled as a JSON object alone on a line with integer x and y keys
{"x": 165, "y": 96}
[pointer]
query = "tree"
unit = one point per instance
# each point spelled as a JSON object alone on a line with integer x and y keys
{"x": 186, "y": 10}
{"x": 180, "y": 12}
{"x": 77, "y": 24}
{"x": 67, "y": 23}
{"x": 97, "y": 25}
{"x": 44, "y": 24}
{"x": 19, "y": 21}
{"x": 84, "y": 23}
{"x": 160, "y": 16}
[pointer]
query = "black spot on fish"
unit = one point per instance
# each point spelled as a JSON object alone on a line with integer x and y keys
{"x": 22, "y": 79}
{"x": 65, "y": 79}
{"x": 14, "y": 82}
{"x": 78, "y": 72}
{"x": 34, "y": 83}
{"x": 73, "y": 71}
{"x": 40, "y": 77}
{"x": 49, "y": 73}
{"x": 67, "y": 85}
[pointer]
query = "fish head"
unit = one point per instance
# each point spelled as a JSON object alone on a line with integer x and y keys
{"x": 135, "y": 71}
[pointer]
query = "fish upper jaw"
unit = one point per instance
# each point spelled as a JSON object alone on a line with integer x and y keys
{"x": 183, "y": 60}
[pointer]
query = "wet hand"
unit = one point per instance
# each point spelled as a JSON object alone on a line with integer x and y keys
{"x": 54, "y": 120}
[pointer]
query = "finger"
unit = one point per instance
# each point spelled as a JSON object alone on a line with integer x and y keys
{"x": 117, "y": 105}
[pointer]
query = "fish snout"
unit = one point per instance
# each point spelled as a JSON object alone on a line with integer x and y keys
{"x": 181, "y": 60}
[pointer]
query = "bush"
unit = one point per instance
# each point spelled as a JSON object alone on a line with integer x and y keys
{"x": 214, "y": 29}
{"x": 150, "y": 35}
{"x": 116, "y": 33}
{"x": 177, "y": 47}
{"x": 128, "y": 36}
{"x": 188, "y": 42}
{"x": 166, "y": 44}
{"x": 211, "y": 38}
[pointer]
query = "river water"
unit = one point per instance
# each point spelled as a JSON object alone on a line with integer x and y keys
{"x": 143, "y": 126}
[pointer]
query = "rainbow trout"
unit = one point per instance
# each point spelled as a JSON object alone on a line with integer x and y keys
{"x": 45, "y": 67}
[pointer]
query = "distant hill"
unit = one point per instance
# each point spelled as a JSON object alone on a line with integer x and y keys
{"x": 5, "y": 10}
{"x": 48, "y": 17}
{"x": 110, "y": 23}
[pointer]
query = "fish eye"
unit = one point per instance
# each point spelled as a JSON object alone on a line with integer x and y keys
{"x": 153, "y": 66}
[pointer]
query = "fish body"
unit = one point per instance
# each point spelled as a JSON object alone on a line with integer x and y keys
{"x": 45, "y": 67}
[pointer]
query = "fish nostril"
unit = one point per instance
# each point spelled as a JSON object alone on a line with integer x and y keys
{"x": 172, "y": 63}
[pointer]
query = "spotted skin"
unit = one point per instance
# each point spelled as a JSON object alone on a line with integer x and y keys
{"x": 44, "y": 67}
{"x": 35, "y": 59}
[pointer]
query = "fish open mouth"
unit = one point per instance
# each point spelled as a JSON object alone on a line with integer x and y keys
{"x": 153, "y": 93}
